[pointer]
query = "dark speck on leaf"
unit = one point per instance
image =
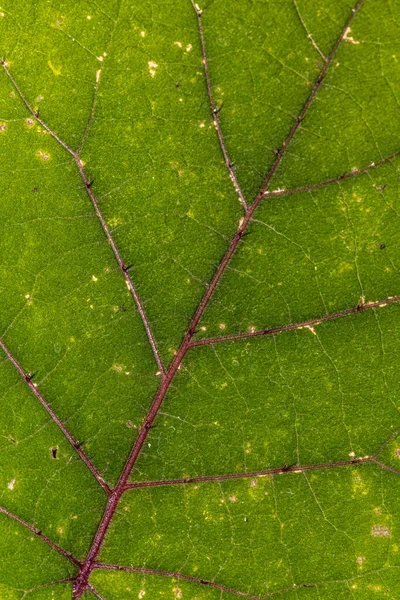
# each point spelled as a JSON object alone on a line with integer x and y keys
{"x": 382, "y": 246}
{"x": 381, "y": 188}
{"x": 35, "y": 189}
{"x": 178, "y": 84}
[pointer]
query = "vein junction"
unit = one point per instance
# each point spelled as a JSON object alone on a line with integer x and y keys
{"x": 81, "y": 581}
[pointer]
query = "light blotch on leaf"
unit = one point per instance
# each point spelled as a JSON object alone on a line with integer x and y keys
{"x": 380, "y": 531}
{"x": 45, "y": 156}
{"x": 153, "y": 66}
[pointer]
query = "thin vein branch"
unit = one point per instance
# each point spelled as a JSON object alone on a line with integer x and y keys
{"x": 77, "y": 447}
{"x": 301, "y": 325}
{"x": 273, "y": 471}
{"x": 293, "y": 588}
{"x": 81, "y": 583}
{"x": 251, "y": 474}
{"x": 306, "y": 106}
{"x": 177, "y": 575}
{"x": 243, "y": 223}
{"x": 386, "y": 443}
{"x": 88, "y": 186}
{"x": 321, "y": 184}
{"x": 215, "y": 110}
{"x": 40, "y": 535}
{"x": 92, "y": 112}
{"x": 35, "y": 113}
{"x": 309, "y": 35}
{"x": 47, "y": 585}
{"x": 123, "y": 267}
{"x": 386, "y": 467}
{"x": 96, "y": 88}
{"x": 95, "y": 592}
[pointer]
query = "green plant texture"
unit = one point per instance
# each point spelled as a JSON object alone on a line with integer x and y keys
{"x": 199, "y": 316}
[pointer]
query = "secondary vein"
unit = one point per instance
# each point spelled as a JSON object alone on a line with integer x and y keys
{"x": 76, "y": 446}
{"x": 40, "y": 535}
{"x": 88, "y": 187}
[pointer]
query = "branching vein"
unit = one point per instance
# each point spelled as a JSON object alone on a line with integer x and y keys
{"x": 112, "y": 505}
{"x": 215, "y": 110}
{"x": 315, "y": 186}
{"x": 88, "y": 185}
{"x": 307, "y": 105}
{"x": 374, "y": 458}
{"x": 301, "y": 325}
{"x": 178, "y": 575}
{"x": 81, "y": 582}
{"x": 77, "y": 447}
{"x": 40, "y": 535}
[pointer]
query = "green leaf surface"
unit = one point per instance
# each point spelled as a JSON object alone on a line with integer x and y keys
{"x": 199, "y": 316}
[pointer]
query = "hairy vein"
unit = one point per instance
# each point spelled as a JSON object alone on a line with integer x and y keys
{"x": 215, "y": 109}
{"x": 81, "y": 583}
{"x": 315, "y": 186}
{"x": 77, "y": 447}
{"x": 275, "y": 470}
{"x": 124, "y": 268}
{"x": 307, "y": 105}
{"x": 250, "y": 474}
{"x": 88, "y": 185}
{"x": 177, "y": 575}
{"x": 302, "y": 325}
{"x": 40, "y": 535}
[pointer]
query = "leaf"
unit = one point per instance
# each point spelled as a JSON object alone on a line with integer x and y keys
{"x": 199, "y": 315}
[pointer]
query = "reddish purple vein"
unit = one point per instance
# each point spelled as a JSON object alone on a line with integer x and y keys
{"x": 82, "y": 580}
{"x": 177, "y": 575}
{"x": 81, "y": 583}
{"x": 215, "y": 110}
{"x": 333, "y": 180}
{"x": 88, "y": 185}
{"x": 276, "y": 470}
{"x": 123, "y": 267}
{"x": 268, "y": 472}
{"x": 307, "y": 105}
{"x": 40, "y": 535}
{"x": 286, "y": 469}
{"x": 301, "y": 325}
{"x": 77, "y": 447}
{"x": 252, "y": 474}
